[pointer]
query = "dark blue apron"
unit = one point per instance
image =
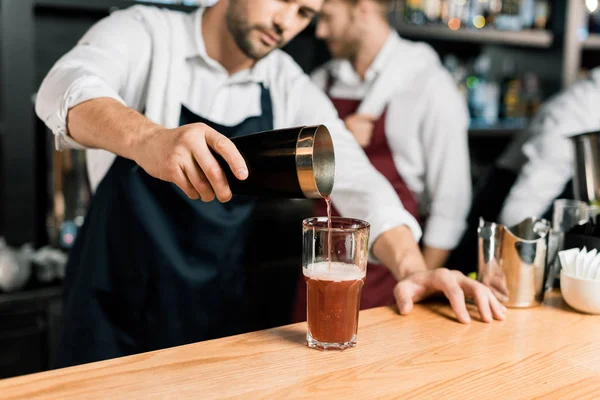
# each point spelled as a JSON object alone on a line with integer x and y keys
{"x": 151, "y": 268}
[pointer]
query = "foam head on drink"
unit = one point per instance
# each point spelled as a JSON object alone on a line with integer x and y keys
{"x": 333, "y": 300}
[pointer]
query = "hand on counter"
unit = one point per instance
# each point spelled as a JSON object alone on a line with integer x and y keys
{"x": 398, "y": 250}
{"x": 456, "y": 287}
{"x": 361, "y": 126}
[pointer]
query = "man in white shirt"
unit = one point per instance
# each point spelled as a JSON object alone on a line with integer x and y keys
{"x": 405, "y": 110}
{"x": 154, "y": 267}
{"x": 548, "y": 150}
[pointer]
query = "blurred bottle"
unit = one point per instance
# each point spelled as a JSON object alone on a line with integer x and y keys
{"x": 459, "y": 73}
{"x": 592, "y": 23}
{"x": 458, "y": 13}
{"x": 527, "y": 13}
{"x": 432, "y": 10}
{"x": 494, "y": 9}
{"x": 414, "y": 12}
{"x": 542, "y": 13}
{"x": 444, "y": 11}
{"x": 483, "y": 94}
{"x": 509, "y": 18}
{"x": 507, "y": 85}
{"x": 531, "y": 97}
{"x": 511, "y": 108}
{"x": 477, "y": 14}
{"x": 75, "y": 195}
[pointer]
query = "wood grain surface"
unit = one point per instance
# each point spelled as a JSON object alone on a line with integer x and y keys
{"x": 549, "y": 351}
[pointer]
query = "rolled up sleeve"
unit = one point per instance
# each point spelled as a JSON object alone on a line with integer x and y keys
{"x": 98, "y": 66}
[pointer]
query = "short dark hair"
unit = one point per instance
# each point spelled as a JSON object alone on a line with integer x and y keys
{"x": 385, "y": 4}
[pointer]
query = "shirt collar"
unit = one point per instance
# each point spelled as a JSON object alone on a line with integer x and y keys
{"x": 344, "y": 71}
{"x": 197, "y": 48}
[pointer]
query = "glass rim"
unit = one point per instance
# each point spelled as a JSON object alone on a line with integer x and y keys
{"x": 570, "y": 203}
{"x": 337, "y": 224}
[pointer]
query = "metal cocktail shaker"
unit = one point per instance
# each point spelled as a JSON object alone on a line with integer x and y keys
{"x": 586, "y": 179}
{"x": 289, "y": 163}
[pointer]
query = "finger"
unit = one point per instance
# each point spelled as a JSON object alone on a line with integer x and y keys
{"x": 197, "y": 178}
{"x": 498, "y": 310}
{"x": 446, "y": 282}
{"x": 212, "y": 170}
{"x": 482, "y": 295}
{"x": 225, "y": 147}
{"x": 408, "y": 292}
{"x": 185, "y": 185}
{"x": 500, "y": 296}
{"x": 404, "y": 294}
{"x": 489, "y": 306}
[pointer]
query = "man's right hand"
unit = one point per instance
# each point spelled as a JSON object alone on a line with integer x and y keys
{"x": 183, "y": 156}
{"x": 361, "y": 126}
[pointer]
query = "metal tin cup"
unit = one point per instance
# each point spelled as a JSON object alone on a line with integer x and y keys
{"x": 512, "y": 261}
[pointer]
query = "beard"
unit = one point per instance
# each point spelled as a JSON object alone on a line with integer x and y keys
{"x": 344, "y": 48}
{"x": 241, "y": 30}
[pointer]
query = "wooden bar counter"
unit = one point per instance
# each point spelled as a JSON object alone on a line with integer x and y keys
{"x": 548, "y": 351}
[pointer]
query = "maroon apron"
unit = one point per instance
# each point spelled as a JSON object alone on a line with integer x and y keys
{"x": 380, "y": 282}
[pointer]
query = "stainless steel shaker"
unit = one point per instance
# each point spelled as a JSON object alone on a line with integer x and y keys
{"x": 512, "y": 261}
{"x": 286, "y": 163}
{"x": 586, "y": 175}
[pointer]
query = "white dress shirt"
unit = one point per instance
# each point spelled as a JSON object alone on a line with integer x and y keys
{"x": 426, "y": 126}
{"x": 549, "y": 152}
{"x": 124, "y": 57}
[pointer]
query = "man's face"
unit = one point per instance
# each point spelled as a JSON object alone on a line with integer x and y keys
{"x": 339, "y": 26}
{"x": 261, "y": 26}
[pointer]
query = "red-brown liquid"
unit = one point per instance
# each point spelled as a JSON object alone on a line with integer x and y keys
{"x": 332, "y": 309}
{"x": 329, "y": 249}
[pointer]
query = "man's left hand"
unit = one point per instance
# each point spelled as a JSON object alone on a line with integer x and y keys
{"x": 456, "y": 287}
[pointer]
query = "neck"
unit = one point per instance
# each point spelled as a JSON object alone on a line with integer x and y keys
{"x": 373, "y": 40}
{"x": 219, "y": 42}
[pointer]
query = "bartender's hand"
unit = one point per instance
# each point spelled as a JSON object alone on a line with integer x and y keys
{"x": 182, "y": 156}
{"x": 398, "y": 250}
{"x": 361, "y": 126}
{"x": 456, "y": 287}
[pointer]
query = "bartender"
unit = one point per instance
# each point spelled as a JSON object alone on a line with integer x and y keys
{"x": 403, "y": 107}
{"x": 150, "y": 92}
{"x": 548, "y": 151}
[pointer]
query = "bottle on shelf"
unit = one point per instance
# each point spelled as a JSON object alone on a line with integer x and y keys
{"x": 483, "y": 94}
{"x": 509, "y": 18}
{"x": 541, "y": 14}
{"x": 432, "y": 10}
{"x": 459, "y": 73}
{"x": 509, "y": 89}
{"x": 477, "y": 14}
{"x": 531, "y": 96}
{"x": 508, "y": 101}
{"x": 501, "y": 14}
{"x": 592, "y": 17}
{"x": 527, "y": 13}
{"x": 414, "y": 12}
